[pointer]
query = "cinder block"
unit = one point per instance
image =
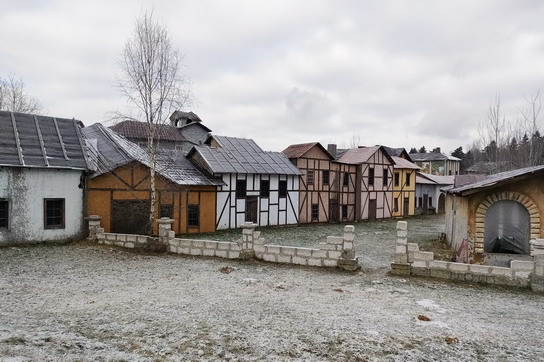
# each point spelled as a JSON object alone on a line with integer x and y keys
{"x": 315, "y": 262}
{"x": 131, "y": 238}
{"x": 501, "y": 271}
{"x": 235, "y": 247}
{"x": 539, "y": 271}
{"x": 273, "y": 249}
{"x": 198, "y": 244}
{"x": 325, "y": 246}
{"x": 186, "y": 251}
{"x": 411, "y": 247}
{"x": 401, "y": 258}
{"x": 420, "y": 264}
{"x": 300, "y": 260}
{"x": 422, "y": 272}
{"x": 195, "y": 251}
{"x": 319, "y": 253}
{"x": 110, "y": 236}
{"x": 349, "y": 229}
{"x": 270, "y": 257}
{"x": 304, "y": 251}
{"x": 423, "y": 255}
{"x": 348, "y": 245}
{"x": 259, "y": 249}
{"x": 337, "y": 240}
{"x": 439, "y": 264}
{"x": 129, "y": 245}
{"x": 402, "y": 234}
{"x": 479, "y": 269}
{"x": 458, "y": 267}
{"x": 142, "y": 239}
{"x": 172, "y": 249}
{"x": 440, "y": 273}
{"x": 402, "y": 225}
{"x": 522, "y": 265}
{"x": 400, "y": 249}
{"x": 400, "y": 269}
{"x": 223, "y": 245}
{"x": 284, "y": 259}
{"x": 458, "y": 276}
{"x": 330, "y": 262}
{"x": 108, "y": 242}
{"x": 332, "y": 254}
{"x": 349, "y": 236}
{"x": 101, "y": 236}
{"x": 211, "y": 244}
{"x": 288, "y": 250}
{"x": 522, "y": 274}
{"x": 208, "y": 252}
{"x": 234, "y": 254}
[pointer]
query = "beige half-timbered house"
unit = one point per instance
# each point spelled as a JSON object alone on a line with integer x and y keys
{"x": 327, "y": 188}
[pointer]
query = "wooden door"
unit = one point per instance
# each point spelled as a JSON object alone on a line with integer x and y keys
{"x": 372, "y": 206}
{"x": 406, "y": 209}
{"x": 441, "y": 204}
{"x": 425, "y": 204}
{"x": 130, "y": 216}
{"x": 333, "y": 211}
{"x": 251, "y": 209}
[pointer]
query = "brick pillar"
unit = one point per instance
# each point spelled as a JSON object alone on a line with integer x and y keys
{"x": 248, "y": 239}
{"x": 94, "y": 226}
{"x": 537, "y": 252}
{"x": 347, "y": 260}
{"x": 165, "y": 230}
{"x": 401, "y": 265}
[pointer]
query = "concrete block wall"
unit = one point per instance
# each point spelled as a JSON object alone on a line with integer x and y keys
{"x": 337, "y": 251}
{"x": 410, "y": 261}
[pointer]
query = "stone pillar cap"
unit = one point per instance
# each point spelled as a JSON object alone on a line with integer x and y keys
{"x": 248, "y": 225}
{"x": 165, "y": 220}
{"x": 94, "y": 217}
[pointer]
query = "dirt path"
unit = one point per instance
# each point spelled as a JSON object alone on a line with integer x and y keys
{"x": 84, "y": 302}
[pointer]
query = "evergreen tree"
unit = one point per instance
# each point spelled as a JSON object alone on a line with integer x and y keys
{"x": 422, "y": 150}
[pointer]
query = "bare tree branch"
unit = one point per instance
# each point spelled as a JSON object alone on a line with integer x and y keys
{"x": 14, "y": 98}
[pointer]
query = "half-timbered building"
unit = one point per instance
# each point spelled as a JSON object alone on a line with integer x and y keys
{"x": 261, "y": 187}
{"x": 374, "y": 181}
{"x": 119, "y": 190}
{"x": 327, "y": 188}
{"x": 404, "y": 187}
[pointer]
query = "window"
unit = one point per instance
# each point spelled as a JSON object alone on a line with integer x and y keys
{"x": 396, "y": 204}
{"x": 315, "y": 212}
{"x": 430, "y": 201}
{"x": 344, "y": 211}
{"x": 397, "y": 178}
{"x": 165, "y": 211}
{"x": 325, "y": 177}
{"x": 371, "y": 176}
{"x": 4, "y": 213}
{"x": 385, "y": 177}
{"x": 408, "y": 177}
{"x": 241, "y": 186}
{"x": 53, "y": 213}
{"x": 450, "y": 172}
{"x": 310, "y": 177}
{"x": 282, "y": 188}
{"x": 346, "y": 179}
{"x": 192, "y": 216}
{"x": 265, "y": 188}
{"x": 421, "y": 202}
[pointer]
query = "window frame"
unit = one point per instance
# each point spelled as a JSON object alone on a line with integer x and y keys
{"x": 46, "y": 225}
{"x": 396, "y": 204}
{"x": 192, "y": 209}
{"x": 345, "y": 182}
{"x": 282, "y": 190}
{"x": 241, "y": 192}
{"x": 408, "y": 178}
{"x": 310, "y": 177}
{"x": 344, "y": 212}
{"x": 385, "y": 177}
{"x": 397, "y": 178}
{"x": 3, "y": 200}
{"x": 315, "y": 212}
{"x": 326, "y": 177}
{"x": 371, "y": 176}
{"x": 264, "y": 192}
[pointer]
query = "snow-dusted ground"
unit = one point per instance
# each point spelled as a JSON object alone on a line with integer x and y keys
{"x": 86, "y": 302}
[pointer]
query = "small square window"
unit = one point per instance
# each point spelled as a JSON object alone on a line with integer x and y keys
{"x": 371, "y": 176}
{"x": 408, "y": 177}
{"x": 166, "y": 211}
{"x": 325, "y": 177}
{"x": 4, "y": 213}
{"x": 397, "y": 178}
{"x": 241, "y": 189}
{"x": 385, "y": 177}
{"x": 346, "y": 179}
{"x": 315, "y": 212}
{"x": 265, "y": 189}
{"x": 192, "y": 216}
{"x": 282, "y": 188}
{"x": 53, "y": 213}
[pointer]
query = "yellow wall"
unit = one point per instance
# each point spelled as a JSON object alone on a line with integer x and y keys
{"x": 402, "y": 191}
{"x": 131, "y": 182}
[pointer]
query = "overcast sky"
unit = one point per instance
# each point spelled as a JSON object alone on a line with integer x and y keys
{"x": 399, "y": 73}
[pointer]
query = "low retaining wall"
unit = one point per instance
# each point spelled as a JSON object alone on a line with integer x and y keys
{"x": 410, "y": 261}
{"x": 337, "y": 251}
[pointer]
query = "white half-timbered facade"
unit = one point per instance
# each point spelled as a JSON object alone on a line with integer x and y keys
{"x": 261, "y": 187}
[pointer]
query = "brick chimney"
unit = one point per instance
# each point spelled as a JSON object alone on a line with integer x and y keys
{"x": 331, "y": 148}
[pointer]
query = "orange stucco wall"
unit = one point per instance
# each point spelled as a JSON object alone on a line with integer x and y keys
{"x": 131, "y": 182}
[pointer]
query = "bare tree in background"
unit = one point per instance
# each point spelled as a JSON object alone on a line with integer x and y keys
{"x": 532, "y": 123}
{"x": 492, "y": 131}
{"x": 153, "y": 84}
{"x": 14, "y": 98}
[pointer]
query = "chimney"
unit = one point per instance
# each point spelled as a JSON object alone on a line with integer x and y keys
{"x": 438, "y": 150}
{"x": 331, "y": 148}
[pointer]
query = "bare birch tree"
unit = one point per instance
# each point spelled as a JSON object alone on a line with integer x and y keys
{"x": 532, "y": 120}
{"x": 153, "y": 84}
{"x": 492, "y": 131}
{"x": 14, "y": 97}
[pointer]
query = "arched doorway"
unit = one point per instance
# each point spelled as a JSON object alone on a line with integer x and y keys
{"x": 441, "y": 204}
{"x": 507, "y": 228}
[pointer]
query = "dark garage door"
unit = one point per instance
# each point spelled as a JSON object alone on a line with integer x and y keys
{"x": 130, "y": 216}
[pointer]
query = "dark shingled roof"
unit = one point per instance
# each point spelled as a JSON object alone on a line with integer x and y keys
{"x": 28, "y": 140}
{"x": 108, "y": 151}
{"x": 298, "y": 150}
{"x": 432, "y": 156}
{"x": 138, "y": 131}
{"x": 496, "y": 180}
{"x": 242, "y": 155}
{"x": 356, "y": 156}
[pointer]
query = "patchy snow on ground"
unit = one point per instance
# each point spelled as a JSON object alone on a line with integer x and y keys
{"x": 88, "y": 302}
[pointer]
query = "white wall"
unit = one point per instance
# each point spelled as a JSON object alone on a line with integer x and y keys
{"x": 26, "y": 189}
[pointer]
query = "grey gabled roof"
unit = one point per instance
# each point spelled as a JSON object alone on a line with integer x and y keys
{"x": 432, "y": 156}
{"x": 108, "y": 151}
{"x": 28, "y": 140}
{"x": 242, "y": 155}
{"x": 496, "y": 180}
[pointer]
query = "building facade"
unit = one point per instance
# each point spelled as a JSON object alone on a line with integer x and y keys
{"x": 404, "y": 187}
{"x": 437, "y": 163}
